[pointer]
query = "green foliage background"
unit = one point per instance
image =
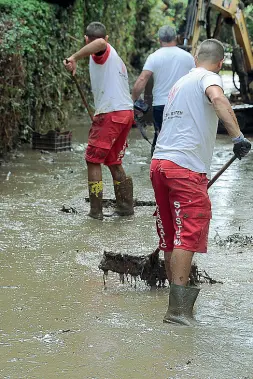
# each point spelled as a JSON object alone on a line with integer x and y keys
{"x": 35, "y": 36}
{"x": 36, "y": 92}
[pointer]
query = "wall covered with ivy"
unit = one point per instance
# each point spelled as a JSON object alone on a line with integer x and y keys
{"x": 36, "y": 93}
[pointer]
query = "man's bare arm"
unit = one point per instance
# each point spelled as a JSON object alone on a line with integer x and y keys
{"x": 140, "y": 84}
{"x": 223, "y": 110}
{"x": 93, "y": 47}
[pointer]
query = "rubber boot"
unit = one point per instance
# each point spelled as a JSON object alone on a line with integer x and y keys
{"x": 96, "y": 198}
{"x": 124, "y": 197}
{"x": 181, "y": 302}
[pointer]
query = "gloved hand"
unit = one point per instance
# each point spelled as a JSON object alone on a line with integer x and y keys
{"x": 241, "y": 146}
{"x": 141, "y": 106}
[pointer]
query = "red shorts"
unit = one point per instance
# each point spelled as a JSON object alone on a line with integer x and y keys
{"x": 107, "y": 140}
{"x": 183, "y": 207}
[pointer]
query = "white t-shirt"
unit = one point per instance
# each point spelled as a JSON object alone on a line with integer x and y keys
{"x": 190, "y": 123}
{"x": 168, "y": 65}
{"x": 109, "y": 82}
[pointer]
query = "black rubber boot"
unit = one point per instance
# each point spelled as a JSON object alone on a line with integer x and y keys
{"x": 96, "y": 198}
{"x": 181, "y": 302}
{"x": 124, "y": 197}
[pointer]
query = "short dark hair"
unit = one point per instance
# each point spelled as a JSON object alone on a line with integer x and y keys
{"x": 96, "y": 30}
{"x": 210, "y": 50}
{"x": 167, "y": 34}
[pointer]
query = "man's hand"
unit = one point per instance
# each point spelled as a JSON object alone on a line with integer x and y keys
{"x": 140, "y": 107}
{"x": 70, "y": 64}
{"x": 140, "y": 84}
{"x": 242, "y": 146}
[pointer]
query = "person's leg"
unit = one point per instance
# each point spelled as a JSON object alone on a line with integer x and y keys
{"x": 181, "y": 297}
{"x": 191, "y": 212}
{"x": 123, "y": 185}
{"x": 167, "y": 262}
{"x": 117, "y": 172}
{"x": 180, "y": 265}
{"x": 94, "y": 172}
{"x": 164, "y": 223}
{"x": 123, "y": 189}
{"x": 158, "y": 120}
{"x": 95, "y": 185}
{"x": 96, "y": 153}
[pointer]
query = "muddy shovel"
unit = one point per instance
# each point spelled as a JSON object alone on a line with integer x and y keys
{"x": 149, "y": 268}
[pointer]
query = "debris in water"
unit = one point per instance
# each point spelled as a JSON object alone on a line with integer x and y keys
{"x": 8, "y": 175}
{"x": 69, "y": 209}
{"x": 236, "y": 239}
{"x": 44, "y": 152}
{"x": 137, "y": 203}
{"x": 149, "y": 268}
{"x": 65, "y": 330}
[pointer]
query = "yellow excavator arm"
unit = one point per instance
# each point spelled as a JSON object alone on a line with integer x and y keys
{"x": 234, "y": 9}
{"x": 230, "y": 12}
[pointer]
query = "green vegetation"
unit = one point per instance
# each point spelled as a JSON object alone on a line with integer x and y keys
{"x": 35, "y": 89}
{"x": 33, "y": 84}
{"x": 249, "y": 18}
{"x": 36, "y": 93}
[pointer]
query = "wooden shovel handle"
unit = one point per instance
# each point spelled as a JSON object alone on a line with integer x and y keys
{"x": 82, "y": 95}
{"x": 218, "y": 174}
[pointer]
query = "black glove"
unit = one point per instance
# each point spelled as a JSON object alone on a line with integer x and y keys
{"x": 242, "y": 147}
{"x": 141, "y": 106}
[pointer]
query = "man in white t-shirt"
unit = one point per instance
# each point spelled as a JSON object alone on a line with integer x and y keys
{"x": 166, "y": 65}
{"x": 112, "y": 121}
{"x": 180, "y": 170}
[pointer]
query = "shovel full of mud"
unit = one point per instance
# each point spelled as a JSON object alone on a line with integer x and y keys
{"x": 150, "y": 268}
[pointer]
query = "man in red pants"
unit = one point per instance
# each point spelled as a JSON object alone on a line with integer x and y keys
{"x": 112, "y": 120}
{"x": 180, "y": 170}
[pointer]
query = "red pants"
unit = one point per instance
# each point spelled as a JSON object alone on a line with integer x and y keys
{"x": 108, "y": 137}
{"x": 183, "y": 207}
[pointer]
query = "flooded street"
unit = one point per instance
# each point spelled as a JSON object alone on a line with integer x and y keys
{"x": 58, "y": 321}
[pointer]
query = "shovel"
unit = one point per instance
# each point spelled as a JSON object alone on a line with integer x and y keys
{"x": 85, "y": 103}
{"x": 149, "y": 268}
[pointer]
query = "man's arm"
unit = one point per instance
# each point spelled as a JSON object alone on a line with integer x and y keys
{"x": 140, "y": 84}
{"x": 226, "y": 114}
{"x": 223, "y": 110}
{"x": 93, "y": 47}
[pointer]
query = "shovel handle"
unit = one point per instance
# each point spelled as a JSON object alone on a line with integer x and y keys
{"x": 216, "y": 176}
{"x": 82, "y": 95}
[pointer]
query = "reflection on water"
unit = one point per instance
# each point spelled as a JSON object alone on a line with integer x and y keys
{"x": 56, "y": 318}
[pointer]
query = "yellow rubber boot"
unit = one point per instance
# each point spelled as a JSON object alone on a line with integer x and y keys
{"x": 124, "y": 197}
{"x": 96, "y": 198}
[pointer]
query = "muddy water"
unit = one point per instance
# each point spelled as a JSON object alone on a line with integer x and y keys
{"x": 57, "y": 321}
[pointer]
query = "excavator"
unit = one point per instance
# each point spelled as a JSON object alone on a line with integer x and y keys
{"x": 210, "y": 16}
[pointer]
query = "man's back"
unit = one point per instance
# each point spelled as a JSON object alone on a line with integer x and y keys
{"x": 190, "y": 123}
{"x": 168, "y": 65}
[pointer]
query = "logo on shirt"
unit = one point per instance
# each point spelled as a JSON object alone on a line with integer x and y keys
{"x": 169, "y": 115}
{"x": 172, "y": 94}
{"x": 123, "y": 71}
